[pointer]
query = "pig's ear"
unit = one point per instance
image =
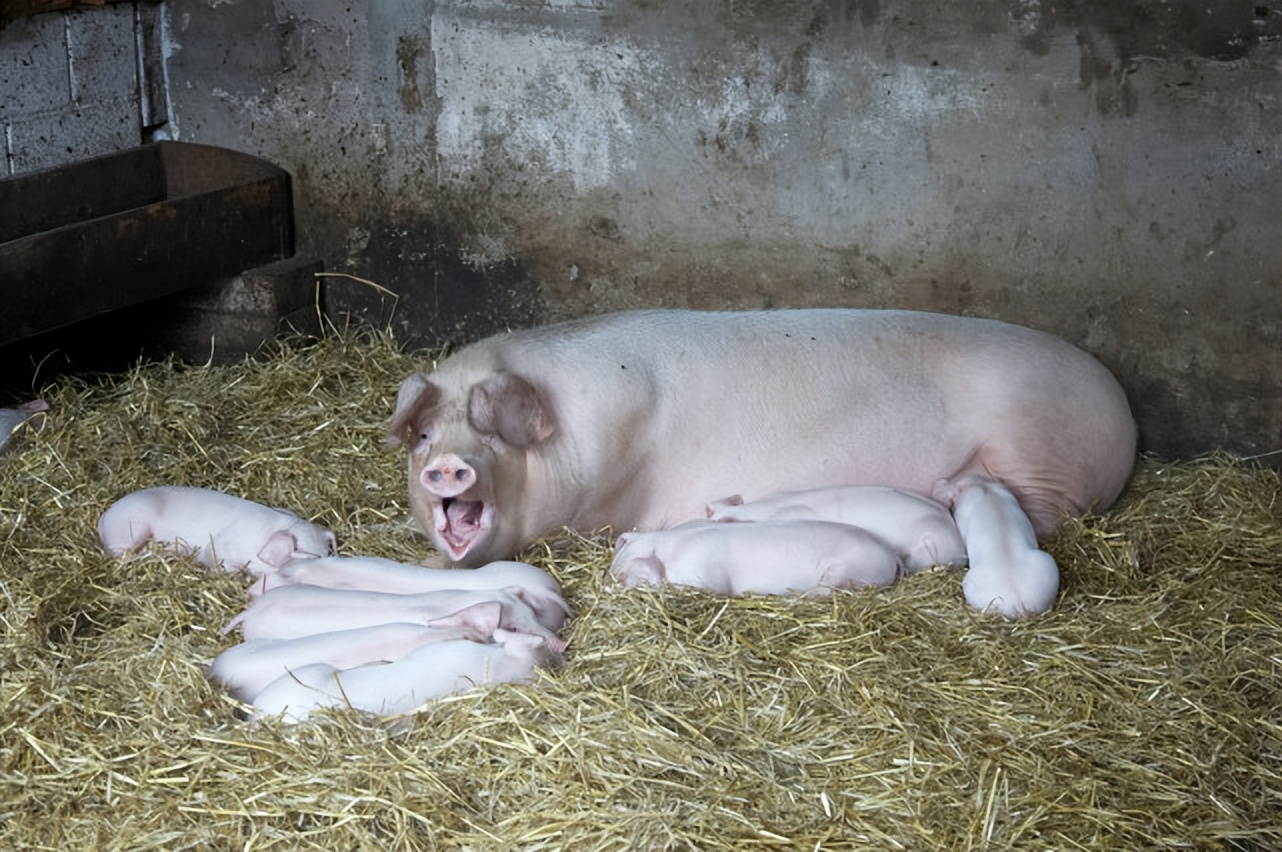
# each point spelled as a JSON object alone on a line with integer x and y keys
{"x": 539, "y": 599}
{"x": 279, "y": 549}
{"x": 512, "y": 408}
{"x": 414, "y": 403}
{"x": 513, "y": 639}
{"x": 484, "y": 617}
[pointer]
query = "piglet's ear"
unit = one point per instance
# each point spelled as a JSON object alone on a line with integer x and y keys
{"x": 483, "y": 617}
{"x": 512, "y": 408}
{"x": 279, "y": 549}
{"x": 415, "y": 401}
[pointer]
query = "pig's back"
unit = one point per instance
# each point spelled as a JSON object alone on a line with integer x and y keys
{"x": 692, "y": 406}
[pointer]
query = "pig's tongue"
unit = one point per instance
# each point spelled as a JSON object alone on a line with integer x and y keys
{"x": 462, "y": 523}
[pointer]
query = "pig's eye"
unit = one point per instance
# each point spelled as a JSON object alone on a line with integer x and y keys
{"x": 425, "y": 436}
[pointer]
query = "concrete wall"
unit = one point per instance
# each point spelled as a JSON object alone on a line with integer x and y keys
{"x": 69, "y": 84}
{"x": 1106, "y": 171}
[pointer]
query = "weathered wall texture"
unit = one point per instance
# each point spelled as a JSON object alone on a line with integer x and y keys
{"x": 1106, "y": 171}
{"x": 69, "y": 86}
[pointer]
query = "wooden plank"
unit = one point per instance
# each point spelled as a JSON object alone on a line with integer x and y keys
{"x": 222, "y": 212}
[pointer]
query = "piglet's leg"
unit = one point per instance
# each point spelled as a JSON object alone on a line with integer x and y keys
{"x": 640, "y": 571}
{"x": 1008, "y": 572}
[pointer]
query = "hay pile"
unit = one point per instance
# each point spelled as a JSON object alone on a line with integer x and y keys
{"x": 1144, "y": 711}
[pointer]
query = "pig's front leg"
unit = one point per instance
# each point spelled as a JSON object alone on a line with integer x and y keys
{"x": 1008, "y": 572}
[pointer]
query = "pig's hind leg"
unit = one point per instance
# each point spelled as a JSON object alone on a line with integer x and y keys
{"x": 875, "y": 564}
{"x": 640, "y": 571}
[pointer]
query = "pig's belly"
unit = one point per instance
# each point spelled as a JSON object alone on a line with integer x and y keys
{"x": 714, "y": 405}
{"x": 671, "y": 494}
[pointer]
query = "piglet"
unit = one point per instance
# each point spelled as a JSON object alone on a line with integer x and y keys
{"x": 918, "y": 528}
{"x": 433, "y": 671}
{"x": 373, "y": 574}
{"x": 1008, "y": 572}
{"x": 246, "y": 669}
{"x": 288, "y": 612}
{"x": 12, "y": 418}
{"x": 774, "y": 557}
{"x": 218, "y": 529}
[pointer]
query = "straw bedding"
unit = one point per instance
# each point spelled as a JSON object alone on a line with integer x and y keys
{"x": 1144, "y": 711}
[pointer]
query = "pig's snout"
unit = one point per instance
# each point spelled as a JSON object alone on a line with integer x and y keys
{"x": 447, "y": 476}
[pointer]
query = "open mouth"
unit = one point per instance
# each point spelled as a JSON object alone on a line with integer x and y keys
{"x": 460, "y": 524}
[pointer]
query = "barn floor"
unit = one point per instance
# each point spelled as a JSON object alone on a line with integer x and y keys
{"x": 1144, "y": 711}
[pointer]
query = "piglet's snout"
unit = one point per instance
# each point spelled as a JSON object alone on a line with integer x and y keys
{"x": 447, "y": 475}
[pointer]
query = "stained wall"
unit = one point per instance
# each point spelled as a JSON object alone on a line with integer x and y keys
{"x": 1105, "y": 171}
